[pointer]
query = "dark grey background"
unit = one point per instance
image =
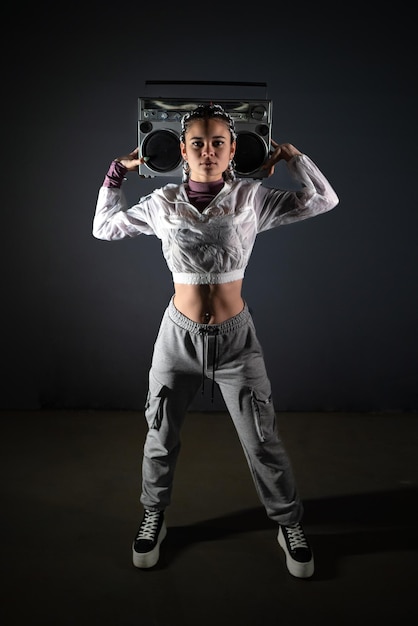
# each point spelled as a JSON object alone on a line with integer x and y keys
{"x": 334, "y": 298}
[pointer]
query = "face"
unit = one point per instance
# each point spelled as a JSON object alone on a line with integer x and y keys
{"x": 207, "y": 149}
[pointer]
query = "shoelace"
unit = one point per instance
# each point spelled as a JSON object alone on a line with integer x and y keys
{"x": 149, "y": 525}
{"x": 296, "y": 537}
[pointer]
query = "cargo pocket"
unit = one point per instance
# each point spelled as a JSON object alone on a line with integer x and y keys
{"x": 154, "y": 405}
{"x": 263, "y": 414}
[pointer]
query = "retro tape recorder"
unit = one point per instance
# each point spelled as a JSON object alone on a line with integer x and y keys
{"x": 159, "y": 128}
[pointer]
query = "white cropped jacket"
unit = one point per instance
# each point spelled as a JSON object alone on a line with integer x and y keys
{"x": 213, "y": 246}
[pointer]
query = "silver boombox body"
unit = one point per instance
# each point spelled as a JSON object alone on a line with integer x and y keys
{"x": 159, "y": 128}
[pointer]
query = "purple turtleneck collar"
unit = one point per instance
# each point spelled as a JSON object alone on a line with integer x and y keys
{"x": 200, "y": 194}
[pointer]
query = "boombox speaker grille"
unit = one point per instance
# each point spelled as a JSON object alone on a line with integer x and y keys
{"x": 162, "y": 149}
{"x": 250, "y": 154}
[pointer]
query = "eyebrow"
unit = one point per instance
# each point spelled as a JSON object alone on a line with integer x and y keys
{"x": 214, "y": 137}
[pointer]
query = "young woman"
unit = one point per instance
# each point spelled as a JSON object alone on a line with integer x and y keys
{"x": 207, "y": 226}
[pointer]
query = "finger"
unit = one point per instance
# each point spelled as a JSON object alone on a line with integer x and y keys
{"x": 267, "y": 165}
{"x": 269, "y": 168}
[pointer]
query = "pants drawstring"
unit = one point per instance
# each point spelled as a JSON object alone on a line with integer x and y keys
{"x": 203, "y": 362}
{"x": 215, "y": 349}
{"x": 206, "y": 333}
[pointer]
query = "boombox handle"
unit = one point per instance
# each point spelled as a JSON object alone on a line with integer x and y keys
{"x": 171, "y": 86}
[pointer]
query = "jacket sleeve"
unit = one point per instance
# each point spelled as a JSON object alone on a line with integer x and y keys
{"x": 113, "y": 220}
{"x": 276, "y": 207}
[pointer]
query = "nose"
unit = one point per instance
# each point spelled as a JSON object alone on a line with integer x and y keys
{"x": 207, "y": 149}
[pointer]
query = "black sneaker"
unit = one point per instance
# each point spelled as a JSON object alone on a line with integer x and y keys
{"x": 299, "y": 557}
{"x": 146, "y": 546}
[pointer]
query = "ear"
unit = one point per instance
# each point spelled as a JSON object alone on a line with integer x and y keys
{"x": 233, "y": 149}
{"x": 183, "y": 150}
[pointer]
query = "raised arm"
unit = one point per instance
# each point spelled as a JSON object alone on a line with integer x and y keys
{"x": 112, "y": 219}
{"x": 276, "y": 207}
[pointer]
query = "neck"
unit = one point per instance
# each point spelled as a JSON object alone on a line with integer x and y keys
{"x": 207, "y": 184}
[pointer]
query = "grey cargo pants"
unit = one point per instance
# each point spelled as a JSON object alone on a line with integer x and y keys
{"x": 185, "y": 353}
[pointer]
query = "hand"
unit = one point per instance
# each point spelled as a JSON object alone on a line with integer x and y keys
{"x": 281, "y": 151}
{"x": 131, "y": 161}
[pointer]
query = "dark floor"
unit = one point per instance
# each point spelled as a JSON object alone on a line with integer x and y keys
{"x": 70, "y": 486}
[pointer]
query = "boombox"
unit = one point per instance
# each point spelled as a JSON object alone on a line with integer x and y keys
{"x": 159, "y": 128}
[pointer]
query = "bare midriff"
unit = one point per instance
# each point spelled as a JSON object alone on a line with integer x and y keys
{"x": 209, "y": 304}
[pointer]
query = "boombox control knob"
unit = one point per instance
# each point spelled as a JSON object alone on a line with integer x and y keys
{"x": 258, "y": 112}
{"x": 145, "y": 127}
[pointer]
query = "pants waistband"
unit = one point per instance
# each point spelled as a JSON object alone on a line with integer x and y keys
{"x": 223, "y": 328}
